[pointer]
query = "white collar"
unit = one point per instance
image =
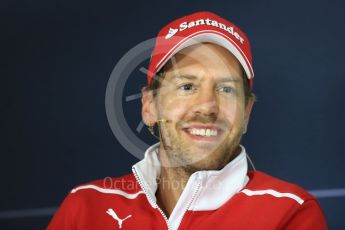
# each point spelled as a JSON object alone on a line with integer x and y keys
{"x": 205, "y": 190}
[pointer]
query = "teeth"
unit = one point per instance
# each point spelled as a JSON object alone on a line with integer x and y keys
{"x": 204, "y": 132}
{"x": 208, "y": 132}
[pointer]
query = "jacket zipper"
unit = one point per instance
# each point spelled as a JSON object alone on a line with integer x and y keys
{"x": 190, "y": 202}
{"x": 150, "y": 198}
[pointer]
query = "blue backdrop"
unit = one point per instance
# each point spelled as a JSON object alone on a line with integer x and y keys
{"x": 56, "y": 59}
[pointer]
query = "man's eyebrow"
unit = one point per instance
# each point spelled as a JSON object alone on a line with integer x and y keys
{"x": 186, "y": 76}
{"x": 229, "y": 79}
{"x": 193, "y": 77}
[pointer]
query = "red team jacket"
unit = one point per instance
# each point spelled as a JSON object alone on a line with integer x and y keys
{"x": 231, "y": 198}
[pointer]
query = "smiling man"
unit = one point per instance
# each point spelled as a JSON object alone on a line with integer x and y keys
{"x": 202, "y": 113}
{"x": 198, "y": 102}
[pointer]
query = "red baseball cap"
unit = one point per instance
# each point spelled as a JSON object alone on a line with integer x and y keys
{"x": 197, "y": 28}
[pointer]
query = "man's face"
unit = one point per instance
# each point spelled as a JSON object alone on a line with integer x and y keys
{"x": 202, "y": 97}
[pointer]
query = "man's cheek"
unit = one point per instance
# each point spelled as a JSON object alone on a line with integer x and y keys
{"x": 174, "y": 111}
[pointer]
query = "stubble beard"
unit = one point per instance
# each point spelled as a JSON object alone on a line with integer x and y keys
{"x": 182, "y": 156}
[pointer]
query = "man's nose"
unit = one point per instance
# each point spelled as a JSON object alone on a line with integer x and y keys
{"x": 206, "y": 103}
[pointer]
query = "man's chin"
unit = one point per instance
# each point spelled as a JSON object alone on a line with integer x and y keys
{"x": 197, "y": 159}
{"x": 203, "y": 165}
{"x": 211, "y": 157}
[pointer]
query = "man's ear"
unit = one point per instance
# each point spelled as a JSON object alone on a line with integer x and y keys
{"x": 148, "y": 109}
{"x": 248, "y": 111}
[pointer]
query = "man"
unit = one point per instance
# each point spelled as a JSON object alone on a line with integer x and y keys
{"x": 199, "y": 100}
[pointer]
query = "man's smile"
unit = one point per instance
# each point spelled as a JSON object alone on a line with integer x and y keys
{"x": 203, "y": 132}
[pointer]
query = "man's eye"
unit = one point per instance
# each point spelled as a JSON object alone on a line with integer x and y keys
{"x": 186, "y": 87}
{"x": 226, "y": 89}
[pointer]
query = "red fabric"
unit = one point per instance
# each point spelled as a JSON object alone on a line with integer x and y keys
{"x": 164, "y": 46}
{"x": 261, "y": 211}
{"x": 86, "y": 209}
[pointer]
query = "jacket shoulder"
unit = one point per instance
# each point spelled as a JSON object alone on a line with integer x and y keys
{"x": 288, "y": 204}
{"x": 109, "y": 185}
{"x": 83, "y": 202}
{"x": 262, "y": 181}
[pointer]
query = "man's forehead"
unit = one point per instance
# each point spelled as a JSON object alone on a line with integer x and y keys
{"x": 202, "y": 60}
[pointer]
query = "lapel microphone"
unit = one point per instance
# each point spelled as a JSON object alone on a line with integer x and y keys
{"x": 164, "y": 120}
{"x": 151, "y": 128}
